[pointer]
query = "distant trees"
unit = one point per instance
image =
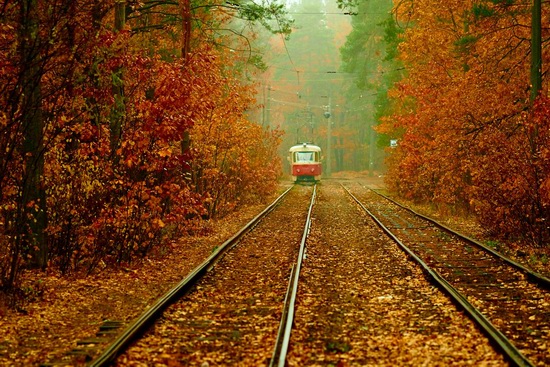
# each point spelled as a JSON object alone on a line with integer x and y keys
{"x": 121, "y": 123}
{"x": 368, "y": 56}
{"x": 471, "y": 135}
{"x": 304, "y": 77}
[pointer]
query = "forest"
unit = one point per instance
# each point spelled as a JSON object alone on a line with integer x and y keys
{"x": 470, "y": 112}
{"x": 125, "y": 124}
{"x": 449, "y": 100}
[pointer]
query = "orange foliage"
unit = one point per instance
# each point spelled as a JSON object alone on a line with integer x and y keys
{"x": 234, "y": 161}
{"x": 465, "y": 138}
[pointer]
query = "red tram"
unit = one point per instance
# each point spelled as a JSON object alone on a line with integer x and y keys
{"x": 305, "y": 162}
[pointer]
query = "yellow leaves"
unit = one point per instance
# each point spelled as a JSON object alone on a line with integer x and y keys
{"x": 92, "y": 186}
{"x": 129, "y": 161}
{"x": 166, "y": 152}
{"x": 158, "y": 223}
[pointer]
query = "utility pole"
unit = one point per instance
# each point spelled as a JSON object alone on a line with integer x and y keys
{"x": 268, "y": 106}
{"x": 263, "y": 104}
{"x": 327, "y": 115}
{"x": 372, "y": 141}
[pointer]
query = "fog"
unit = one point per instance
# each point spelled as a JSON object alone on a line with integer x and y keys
{"x": 327, "y": 80}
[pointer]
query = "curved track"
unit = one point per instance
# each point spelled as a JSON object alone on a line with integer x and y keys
{"x": 510, "y": 302}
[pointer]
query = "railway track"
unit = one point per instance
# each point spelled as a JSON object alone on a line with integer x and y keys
{"x": 510, "y": 302}
{"x": 360, "y": 300}
{"x": 233, "y": 304}
{"x": 363, "y": 302}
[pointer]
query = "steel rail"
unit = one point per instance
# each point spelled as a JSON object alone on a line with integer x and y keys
{"x": 285, "y": 328}
{"x": 142, "y": 322}
{"x": 506, "y": 346}
{"x": 282, "y": 324}
{"x": 532, "y": 275}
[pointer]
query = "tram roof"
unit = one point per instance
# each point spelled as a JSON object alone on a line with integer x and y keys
{"x": 305, "y": 147}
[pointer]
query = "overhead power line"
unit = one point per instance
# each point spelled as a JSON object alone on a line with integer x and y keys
{"x": 287, "y": 52}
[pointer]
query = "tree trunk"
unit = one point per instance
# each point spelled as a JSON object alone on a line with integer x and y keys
{"x": 119, "y": 108}
{"x": 33, "y": 204}
{"x": 536, "y": 50}
{"x": 186, "y": 28}
{"x": 185, "y": 49}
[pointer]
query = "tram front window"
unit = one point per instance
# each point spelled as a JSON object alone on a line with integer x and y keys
{"x": 304, "y": 157}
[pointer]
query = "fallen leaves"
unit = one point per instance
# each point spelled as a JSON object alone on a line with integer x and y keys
{"x": 70, "y": 309}
{"x": 362, "y": 303}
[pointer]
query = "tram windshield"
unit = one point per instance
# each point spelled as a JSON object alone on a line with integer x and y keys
{"x": 305, "y": 156}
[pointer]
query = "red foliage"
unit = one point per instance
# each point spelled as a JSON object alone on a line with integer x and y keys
{"x": 510, "y": 187}
{"x": 112, "y": 197}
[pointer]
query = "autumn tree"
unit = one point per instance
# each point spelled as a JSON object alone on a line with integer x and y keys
{"x": 94, "y": 112}
{"x": 470, "y": 137}
{"x": 30, "y": 57}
